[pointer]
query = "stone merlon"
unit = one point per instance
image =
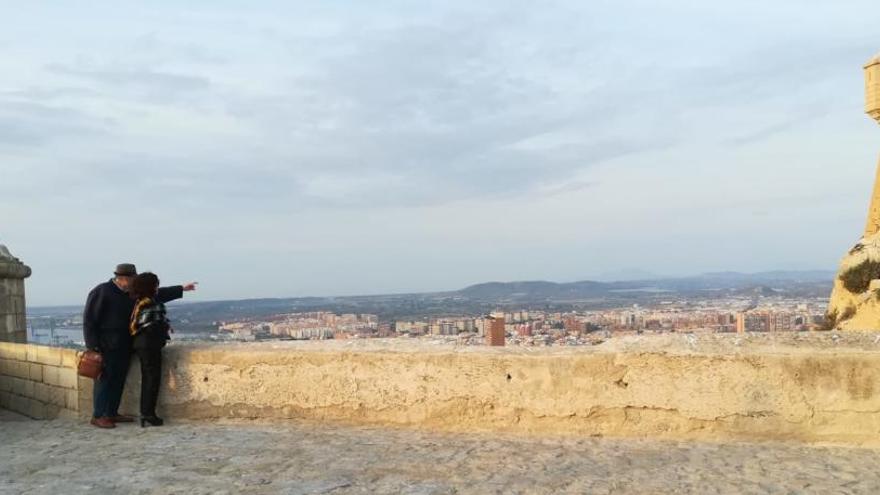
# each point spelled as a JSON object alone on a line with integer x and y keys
{"x": 12, "y": 297}
{"x": 12, "y": 267}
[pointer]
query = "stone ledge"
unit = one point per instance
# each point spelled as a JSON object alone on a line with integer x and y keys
{"x": 820, "y": 388}
{"x": 809, "y": 388}
{"x": 16, "y": 352}
{"x": 14, "y": 270}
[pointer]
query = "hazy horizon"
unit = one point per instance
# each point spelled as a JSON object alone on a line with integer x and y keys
{"x": 598, "y": 278}
{"x": 293, "y": 149}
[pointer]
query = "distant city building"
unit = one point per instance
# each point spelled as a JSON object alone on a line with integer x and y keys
{"x": 494, "y": 329}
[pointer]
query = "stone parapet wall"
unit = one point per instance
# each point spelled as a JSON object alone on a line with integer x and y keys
{"x": 13, "y": 324}
{"x": 39, "y": 381}
{"x": 823, "y": 390}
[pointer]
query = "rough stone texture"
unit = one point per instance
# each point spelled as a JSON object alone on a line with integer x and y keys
{"x": 816, "y": 388}
{"x": 232, "y": 457}
{"x": 39, "y": 381}
{"x": 13, "y": 325}
{"x": 860, "y": 310}
{"x": 872, "y": 88}
{"x": 857, "y": 311}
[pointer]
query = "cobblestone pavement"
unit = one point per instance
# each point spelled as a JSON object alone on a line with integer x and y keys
{"x": 65, "y": 457}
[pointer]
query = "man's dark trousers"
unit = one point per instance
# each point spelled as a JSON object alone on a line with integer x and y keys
{"x": 108, "y": 388}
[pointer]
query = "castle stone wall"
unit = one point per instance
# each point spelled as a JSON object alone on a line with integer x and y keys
{"x": 13, "y": 325}
{"x": 39, "y": 381}
{"x": 816, "y": 391}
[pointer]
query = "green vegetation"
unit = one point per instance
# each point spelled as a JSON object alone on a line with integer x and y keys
{"x": 848, "y": 313}
{"x": 858, "y": 278}
{"x": 830, "y": 321}
{"x": 857, "y": 248}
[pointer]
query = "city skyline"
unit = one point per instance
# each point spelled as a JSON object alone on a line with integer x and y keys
{"x": 292, "y": 150}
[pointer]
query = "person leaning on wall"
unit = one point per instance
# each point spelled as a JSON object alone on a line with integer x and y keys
{"x": 106, "y": 320}
{"x": 150, "y": 331}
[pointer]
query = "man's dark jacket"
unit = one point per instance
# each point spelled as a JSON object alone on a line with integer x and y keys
{"x": 108, "y": 313}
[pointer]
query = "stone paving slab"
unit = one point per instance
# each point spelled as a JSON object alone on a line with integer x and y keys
{"x": 61, "y": 456}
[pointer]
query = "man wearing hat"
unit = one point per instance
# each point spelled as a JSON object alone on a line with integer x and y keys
{"x": 105, "y": 329}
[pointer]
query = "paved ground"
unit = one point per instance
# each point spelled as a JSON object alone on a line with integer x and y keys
{"x": 63, "y": 457}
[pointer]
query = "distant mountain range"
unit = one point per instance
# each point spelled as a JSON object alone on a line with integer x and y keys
{"x": 718, "y": 281}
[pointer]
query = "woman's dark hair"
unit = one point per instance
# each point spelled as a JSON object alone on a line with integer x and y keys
{"x": 143, "y": 285}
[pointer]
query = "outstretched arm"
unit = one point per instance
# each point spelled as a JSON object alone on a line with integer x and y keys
{"x": 167, "y": 294}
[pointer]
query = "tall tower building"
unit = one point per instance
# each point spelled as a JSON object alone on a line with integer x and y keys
{"x": 872, "y": 108}
{"x": 740, "y": 323}
{"x": 495, "y": 330}
{"x": 852, "y": 305}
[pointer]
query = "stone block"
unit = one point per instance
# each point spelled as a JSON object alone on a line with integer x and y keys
{"x": 20, "y": 324}
{"x": 52, "y": 411}
{"x": 20, "y": 404}
{"x": 57, "y": 396}
{"x": 68, "y": 414}
{"x": 23, "y": 387}
{"x": 10, "y": 350}
{"x": 35, "y": 373}
{"x": 16, "y": 336}
{"x": 5, "y": 400}
{"x": 17, "y": 305}
{"x": 19, "y": 351}
{"x": 31, "y": 353}
{"x": 48, "y": 355}
{"x": 71, "y": 400}
{"x": 37, "y": 410}
{"x": 85, "y": 404}
{"x": 5, "y": 367}
{"x": 13, "y": 322}
{"x": 69, "y": 358}
{"x": 17, "y": 386}
{"x": 67, "y": 378}
{"x": 41, "y": 392}
{"x": 86, "y": 407}
{"x": 51, "y": 375}
{"x": 19, "y": 369}
{"x": 83, "y": 383}
{"x": 5, "y": 384}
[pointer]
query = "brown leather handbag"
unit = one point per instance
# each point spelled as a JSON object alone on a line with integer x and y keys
{"x": 91, "y": 364}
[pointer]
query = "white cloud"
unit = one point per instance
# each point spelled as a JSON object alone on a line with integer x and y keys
{"x": 254, "y": 130}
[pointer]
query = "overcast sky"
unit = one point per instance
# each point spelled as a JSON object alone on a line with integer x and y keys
{"x": 332, "y": 148}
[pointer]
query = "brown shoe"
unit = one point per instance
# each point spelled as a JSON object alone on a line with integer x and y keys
{"x": 103, "y": 423}
{"x": 121, "y": 418}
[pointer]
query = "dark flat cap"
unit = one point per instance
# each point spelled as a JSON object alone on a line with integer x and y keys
{"x": 125, "y": 270}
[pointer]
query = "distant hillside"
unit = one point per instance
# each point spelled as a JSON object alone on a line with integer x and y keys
{"x": 818, "y": 280}
{"x": 542, "y": 289}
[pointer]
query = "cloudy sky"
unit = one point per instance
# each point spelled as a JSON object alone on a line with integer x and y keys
{"x": 341, "y": 147}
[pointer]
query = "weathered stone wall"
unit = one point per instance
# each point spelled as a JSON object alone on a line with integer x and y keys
{"x": 855, "y": 299}
{"x": 38, "y": 381}
{"x": 810, "y": 392}
{"x": 816, "y": 392}
{"x": 13, "y": 326}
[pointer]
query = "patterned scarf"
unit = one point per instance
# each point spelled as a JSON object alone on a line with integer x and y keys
{"x": 144, "y": 313}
